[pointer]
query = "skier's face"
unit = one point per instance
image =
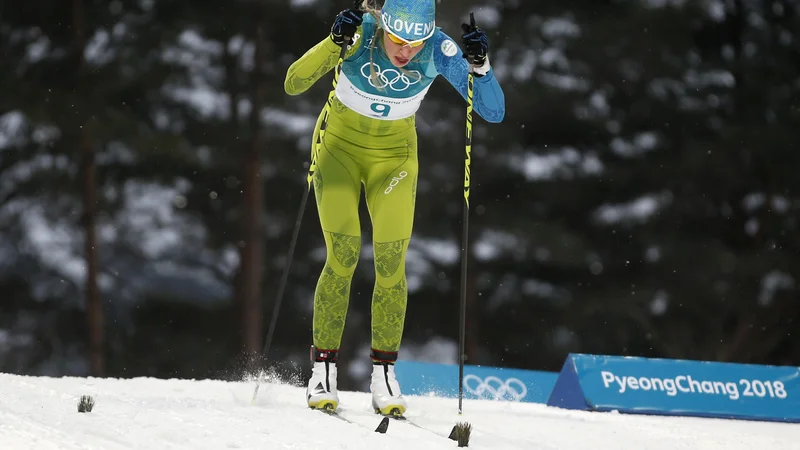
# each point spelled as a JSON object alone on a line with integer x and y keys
{"x": 400, "y": 53}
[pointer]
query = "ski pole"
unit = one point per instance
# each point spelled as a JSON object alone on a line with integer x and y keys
{"x": 465, "y": 239}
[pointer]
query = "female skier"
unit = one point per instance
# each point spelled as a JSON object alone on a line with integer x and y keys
{"x": 370, "y": 140}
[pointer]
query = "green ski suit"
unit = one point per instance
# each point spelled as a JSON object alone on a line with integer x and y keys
{"x": 375, "y": 147}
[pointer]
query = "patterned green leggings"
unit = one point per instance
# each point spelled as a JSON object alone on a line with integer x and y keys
{"x": 387, "y": 169}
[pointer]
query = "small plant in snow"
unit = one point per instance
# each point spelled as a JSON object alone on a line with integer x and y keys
{"x": 85, "y": 404}
{"x": 460, "y": 433}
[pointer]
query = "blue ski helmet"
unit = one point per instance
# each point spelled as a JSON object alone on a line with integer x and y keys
{"x": 410, "y": 20}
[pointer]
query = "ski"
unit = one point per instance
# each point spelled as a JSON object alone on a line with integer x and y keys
{"x": 382, "y": 426}
{"x": 406, "y": 420}
{"x": 336, "y": 415}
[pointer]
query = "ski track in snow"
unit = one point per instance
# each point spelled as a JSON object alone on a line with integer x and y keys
{"x": 144, "y": 413}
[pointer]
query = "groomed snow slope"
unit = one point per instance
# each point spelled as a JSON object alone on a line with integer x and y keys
{"x": 143, "y": 413}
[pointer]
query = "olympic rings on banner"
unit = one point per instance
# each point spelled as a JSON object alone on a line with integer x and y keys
{"x": 494, "y": 388}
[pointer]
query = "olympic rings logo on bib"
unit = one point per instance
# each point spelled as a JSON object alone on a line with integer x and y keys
{"x": 391, "y": 78}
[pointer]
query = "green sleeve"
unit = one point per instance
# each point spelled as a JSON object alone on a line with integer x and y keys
{"x": 316, "y": 62}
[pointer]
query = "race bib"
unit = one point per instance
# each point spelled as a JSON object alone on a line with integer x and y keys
{"x": 379, "y": 106}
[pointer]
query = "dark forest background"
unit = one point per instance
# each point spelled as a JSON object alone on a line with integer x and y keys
{"x": 640, "y": 198}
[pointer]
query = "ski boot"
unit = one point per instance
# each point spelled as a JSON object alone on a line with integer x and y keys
{"x": 321, "y": 392}
{"x": 386, "y": 397}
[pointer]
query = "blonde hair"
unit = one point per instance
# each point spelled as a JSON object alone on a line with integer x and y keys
{"x": 371, "y": 7}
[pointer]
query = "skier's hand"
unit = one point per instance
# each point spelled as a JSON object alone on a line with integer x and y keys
{"x": 345, "y": 25}
{"x": 476, "y": 45}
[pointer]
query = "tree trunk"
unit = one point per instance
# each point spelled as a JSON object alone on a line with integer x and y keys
{"x": 94, "y": 307}
{"x": 231, "y": 64}
{"x": 252, "y": 252}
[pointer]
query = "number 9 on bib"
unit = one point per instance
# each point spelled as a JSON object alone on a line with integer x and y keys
{"x": 381, "y": 108}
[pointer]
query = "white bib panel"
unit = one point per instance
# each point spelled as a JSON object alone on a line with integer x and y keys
{"x": 379, "y": 106}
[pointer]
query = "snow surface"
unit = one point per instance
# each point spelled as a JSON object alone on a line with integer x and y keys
{"x": 145, "y": 413}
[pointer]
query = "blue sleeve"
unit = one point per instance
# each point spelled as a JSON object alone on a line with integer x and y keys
{"x": 488, "y": 99}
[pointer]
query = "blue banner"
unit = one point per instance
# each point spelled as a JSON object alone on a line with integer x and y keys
{"x": 491, "y": 383}
{"x": 678, "y": 387}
